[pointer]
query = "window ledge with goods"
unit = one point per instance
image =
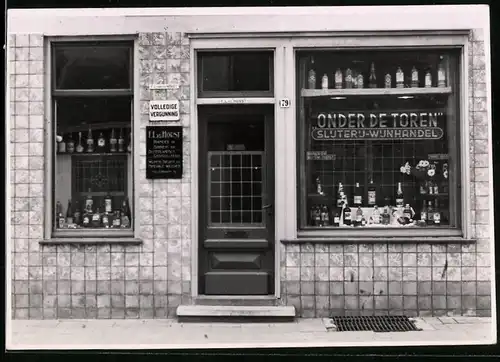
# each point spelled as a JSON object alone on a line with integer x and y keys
{"x": 379, "y": 135}
{"x": 92, "y": 240}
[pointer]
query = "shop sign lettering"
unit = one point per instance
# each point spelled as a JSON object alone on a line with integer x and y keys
{"x": 164, "y": 111}
{"x": 375, "y": 126}
{"x": 320, "y": 156}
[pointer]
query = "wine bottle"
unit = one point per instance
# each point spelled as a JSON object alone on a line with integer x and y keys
{"x": 348, "y": 78}
{"x": 87, "y": 215}
{"x": 121, "y": 142}
{"x": 373, "y": 77}
{"x": 69, "y": 213}
{"x": 77, "y": 216}
{"x": 372, "y": 193}
{"x": 89, "y": 202}
{"x": 376, "y": 215}
{"x": 108, "y": 203}
{"x": 79, "y": 146}
{"x": 347, "y": 215}
{"x": 101, "y": 143}
{"x": 325, "y": 218}
{"x": 336, "y": 219}
{"x": 105, "y": 219}
{"x": 112, "y": 141}
{"x": 338, "y": 79}
{"x": 437, "y": 214}
{"x": 400, "y": 78}
{"x": 360, "y": 81}
{"x": 358, "y": 199}
{"x": 340, "y": 195}
{"x": 126, "y": 215}
{"x": 311, "y": 79}
{"x": 388, "y": 81}
{"x": 96, "y": 219}
{"x": 60, "y": 216}
{"x": 324, "y": 82}
{"x": 428, "y": 79}
{"x": 423, "y": 212}
{"x": 61, "y": 147}
{"x": 441, "y": 73}
{"x": 399, "y": 195}
{"x": 70, "y": 145}
{"x": 90, "y": 141}
{"x": 359, "y": 216}
{"x": 414, "y": 77}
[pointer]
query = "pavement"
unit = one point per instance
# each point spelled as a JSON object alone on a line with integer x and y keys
{"x": 170, "y": 334}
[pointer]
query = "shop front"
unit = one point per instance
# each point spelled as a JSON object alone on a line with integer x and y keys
{"x": 241, "y": 169}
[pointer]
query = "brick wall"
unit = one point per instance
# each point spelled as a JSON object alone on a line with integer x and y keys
{"x": 414, "y": 279}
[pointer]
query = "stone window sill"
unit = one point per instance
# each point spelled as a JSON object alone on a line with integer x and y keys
{"x": 92, "y": 240}
{"x": 373, "y": 240}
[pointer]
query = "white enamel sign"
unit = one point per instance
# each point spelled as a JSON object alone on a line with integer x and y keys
{"x": 164, "y": 111}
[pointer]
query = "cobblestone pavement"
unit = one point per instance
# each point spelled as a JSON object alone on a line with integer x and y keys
{"x": 170, "y": 334}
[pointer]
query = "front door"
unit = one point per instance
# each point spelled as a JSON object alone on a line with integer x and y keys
{"x": 236, "y": 193}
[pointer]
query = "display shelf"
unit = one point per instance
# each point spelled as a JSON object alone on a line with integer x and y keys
{"x": 311, "y": 93}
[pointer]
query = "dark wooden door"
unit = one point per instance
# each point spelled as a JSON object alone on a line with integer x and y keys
{"x": 236, "y": 200}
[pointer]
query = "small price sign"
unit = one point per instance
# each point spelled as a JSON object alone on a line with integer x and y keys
{"x": 284, "y": 103}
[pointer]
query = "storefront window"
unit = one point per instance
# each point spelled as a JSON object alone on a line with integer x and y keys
{"x": 92, "y": 113}
{"x": 378, "y": 134}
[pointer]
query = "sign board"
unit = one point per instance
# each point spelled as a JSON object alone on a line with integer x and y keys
{"x": 320, "y": 156}
{"x": 414, "y": 125}
{"x": 164, "y": 152}
{"x": 164, "y": 111}
{"x": 164, "y": 86}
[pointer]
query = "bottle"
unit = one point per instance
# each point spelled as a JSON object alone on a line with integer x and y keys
{"x": 376, "y": 215}
{"x": 117, "y": 219}
{"x": 423, "y": 212}
{"x": 338, "y": 79}
{"x": 430, "y": 187}
{"x": 59, "y": 215}
{"x": 430, "y": 213}
{"x": 360, "y": 81}
{"x": 441, "y": 73}
{"x": 105, "y": 219}
{"x": 90, "y": 141}
{"x": 414, "y": 77}
{"x": 372, "y": 80}
{"x": 311, "y": 78}
{"x": 348, "y": 78}
{"x": 354, "y": 79}
{"x": 112, "y": 141}
{"x": 340, "y": 195}
{"x": 121, "y": 142}
{"x": 96, "y": 219}
{"x": 428, "y": 79}
{"x": 336, "y": 219}
{"x": 77, "y": 216}
{"x": 79, "y": 147}
{"x": 101, "y": 143}
{"x": 325, "y": 218}
{"x": 89, "y": 203}
{"x": 324, "y": 82}
{"x": 347, "y": 215}
{"x": 400, "y": 78}
{"x": 399, "y": 196}
{"x": 87, "y": 215}
{"x": 423, "y": 188}
{"x": 69, "y": 213}
{"x": 407, "y": 212}
{"x": 388, "y": 81}
{"x": 316, "y": 216}
{"x": 386, "y": 216}
{"x": 372, "y": 193}
{"x": 359, "y": 216}
{"x": 363, "y": 221}
{"x": 108, "y": 203}
{"x": 358, "y": 199}
{"x": 129, "y": 147}
{"x": 444, "y": 186}
{"x": 126, "y": 215}
{"x": 61, "y": 146}
{"x": 319, "y": 187}
{"x": 70, "y": 145}
{"x": 436, "y": 216}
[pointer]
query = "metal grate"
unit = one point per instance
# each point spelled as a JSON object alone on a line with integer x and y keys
{"x": 374, "y": 323}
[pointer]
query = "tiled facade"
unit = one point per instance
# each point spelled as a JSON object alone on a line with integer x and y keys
{"x": 151, "y": 280}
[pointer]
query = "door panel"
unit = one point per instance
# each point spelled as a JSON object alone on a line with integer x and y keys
{"x": 236, "y": 153}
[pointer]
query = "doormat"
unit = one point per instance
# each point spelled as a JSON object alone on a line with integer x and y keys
{"x": 373, "y": 323}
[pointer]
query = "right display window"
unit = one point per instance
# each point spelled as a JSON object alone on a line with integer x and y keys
{"x": 378, "y": 134}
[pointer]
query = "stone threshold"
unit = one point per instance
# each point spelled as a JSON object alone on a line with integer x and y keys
{"x": 192, "y": 312}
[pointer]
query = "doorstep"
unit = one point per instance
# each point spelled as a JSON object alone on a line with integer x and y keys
{"x": 187, "y": 312}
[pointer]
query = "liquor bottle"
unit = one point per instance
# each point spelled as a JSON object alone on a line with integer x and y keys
{"x": 386, "y": 216}
{"x": 79, "y": 146}
{"x": 112, "y": 141}
{"x": 101, "y": 143}
{"x": 70, "y": 145}
{"x": 428, "y": 79}
{"x": 96, "y": 219}
{"x": 407, "y": 212}
{"x": 108, "y": 203}
{"x": 126, "y": 216}
{"x": 436, "y": 216}
{"x": 325, "y": 218}
{"x": 316, "y": 216}
{"x": 69, "y": 214}
{"x": 363, "y": 221}
{"x": 430, "y": 213}
{"x": 121, "y": 142}
{"x": 441, "y": 73}
{"x": 59, "y": 215}
{"x": 359, "y": 216}
{"x": 340, "y": 195}
{"x": 360, "y": 81}
{"x": 87, "y": 215}
{"x": 388, "y": 81}
{"x": 105, "y": 219}
{"x": 324, "y": 82}
{"x": 423, "y": 212}
{"x": 435, "y": 188}
{"x": 336, "y": 219}
{"x": 373, "y": 78}
{"x": 129, "y": 146}
{"x": 77, "y": 216}
{"x": 376, "y": 215}
{"x": 372, "y": 194}
{"x": 430, "y": 187}
{"x": 338, "y": 79}
{"x": 348, "y": 78}
{"x": 400, "y": 78}
{"x": 358, "y": 199}
{"x": 347, "y": 215}
{"x": 399, "y": 196}
{"x": 319, "y": 186}
{"x": 414, "y": 77}
{"x": 117, "y": 219}
{"x": 61, "y": 146}
{"x": 89, "y": 203}
{"x": 90, "y": 141}
{"x": 354, "y": 78}
{"x": 311, "y": 78}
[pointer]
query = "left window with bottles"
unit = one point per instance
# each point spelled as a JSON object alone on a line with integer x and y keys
{"x": 92, "y": 112}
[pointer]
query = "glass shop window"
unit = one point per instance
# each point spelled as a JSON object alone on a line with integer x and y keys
{"x": 92, "y": 124}
{"x": 248, "y": 73}
{"x": 379, "y": 136}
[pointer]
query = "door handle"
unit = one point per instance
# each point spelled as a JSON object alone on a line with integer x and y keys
{"x": 268, "y": 206}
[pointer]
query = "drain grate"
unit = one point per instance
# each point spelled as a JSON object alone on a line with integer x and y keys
{"x": 374, "y": 323}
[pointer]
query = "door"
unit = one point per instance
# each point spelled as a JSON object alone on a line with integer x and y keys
{"x": 236, "y": 193}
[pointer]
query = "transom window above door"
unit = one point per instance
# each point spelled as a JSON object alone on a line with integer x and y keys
{"x": 242, "y": 73}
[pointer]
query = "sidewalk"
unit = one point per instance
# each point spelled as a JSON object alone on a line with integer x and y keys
{"x": 169, "y": 334}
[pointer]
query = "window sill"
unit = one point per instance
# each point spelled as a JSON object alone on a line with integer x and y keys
{"x": 92, "y": 240}
{"x": 385, "y": 239}
{"x": 93, "y": 233}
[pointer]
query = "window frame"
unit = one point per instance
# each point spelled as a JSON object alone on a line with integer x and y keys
{"x": 409, "y": 40}
{"x": 52, "y": 95}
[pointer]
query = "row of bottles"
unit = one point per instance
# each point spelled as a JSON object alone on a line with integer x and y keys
{"x": 115, "y": 143}
{"x": 86, "y": 216}
{"x": 322, "y": 216}
{"x": 351, "y": 78}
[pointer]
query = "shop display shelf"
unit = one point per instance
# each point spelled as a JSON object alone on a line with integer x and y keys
{"x": 311, "y": 93}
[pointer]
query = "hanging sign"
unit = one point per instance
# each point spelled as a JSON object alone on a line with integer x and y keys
{"x": 164, "y": 111}
{"x": 164, "y": 152}
{"x": 377, "y": 125}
